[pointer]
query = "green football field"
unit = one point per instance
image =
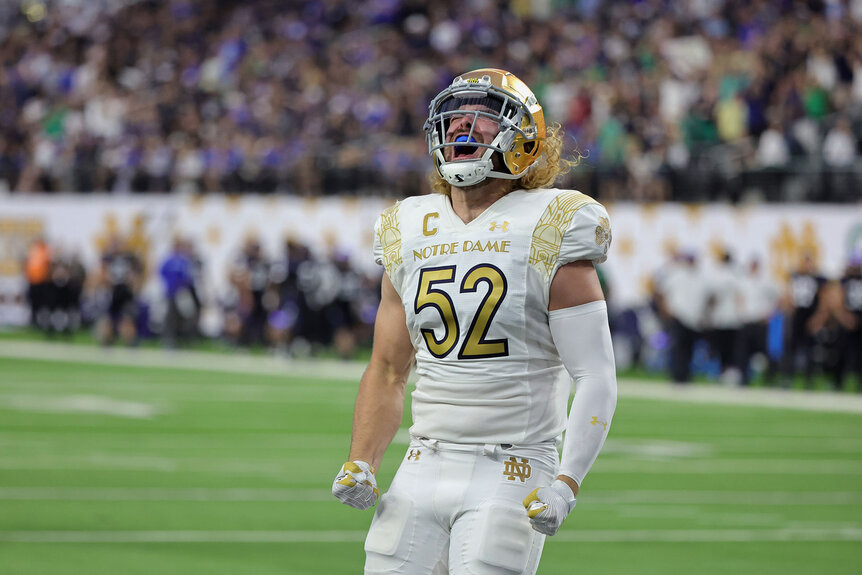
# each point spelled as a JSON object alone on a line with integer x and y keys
{"x": 115, "y": 463}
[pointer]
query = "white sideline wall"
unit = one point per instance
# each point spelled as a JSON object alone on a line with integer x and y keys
{"x": 643, "y": 235}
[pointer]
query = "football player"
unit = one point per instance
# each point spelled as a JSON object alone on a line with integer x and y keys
{"x": 490, "y": 285}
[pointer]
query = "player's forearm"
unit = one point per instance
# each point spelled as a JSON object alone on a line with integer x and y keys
{"x": 583, "y": 340}
{"x": 377, "y": 414}
{"x": 573, "y": 485}
{"x": 589, "y": 421}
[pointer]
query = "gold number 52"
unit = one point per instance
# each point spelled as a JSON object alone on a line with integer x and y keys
{"x": 475, "y": 345}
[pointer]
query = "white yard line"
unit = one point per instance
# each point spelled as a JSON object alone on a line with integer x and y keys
{"x": 596, "y": 536}
{"x": 759, "y": 466}
{"x": 152, "y": 391}
{"x": 730, "y": 497}
{"x": 82, "y": 404}
{"x": 172, "y": 442}
{"x": 796, "y": 445}
{"x": 712, "y": 535}
{"x": 161, "y": 494}
{"x": 237, "y": 362}
{"x": 181, "y": 536}
{"x": 133, "y": 405}
{"x": 817, "y": 447}
{"x": 109, "y": 462}
{"x": 759, "y": 397}
{"x": 183, "y": 464}
{"x": 230, "y": 494}
{"x": 231, "y": 362}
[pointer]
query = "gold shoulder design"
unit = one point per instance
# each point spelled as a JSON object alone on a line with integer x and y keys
{"x": 548, "y": 235}
{"x": 603, "y": 234}
{"x": 389, "y": 235}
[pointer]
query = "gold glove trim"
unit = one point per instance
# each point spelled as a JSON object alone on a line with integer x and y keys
{"x": 348, "y": 480}
{"x": 533, "y": 510}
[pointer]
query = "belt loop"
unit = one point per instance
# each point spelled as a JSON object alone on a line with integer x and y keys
{"x": 491, "y": 450}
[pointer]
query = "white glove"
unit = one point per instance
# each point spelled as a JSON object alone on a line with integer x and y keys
{"x": 355, "y": 485}
{"x": 549, "y": 506}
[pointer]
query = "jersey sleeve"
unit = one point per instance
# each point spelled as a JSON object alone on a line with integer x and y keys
{"x": 386, "y": 246}
{"x": 588, "y": 236}
{"x": 377, "y": 244}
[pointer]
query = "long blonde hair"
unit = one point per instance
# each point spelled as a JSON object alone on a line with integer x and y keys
{"x": 542, "y": 174}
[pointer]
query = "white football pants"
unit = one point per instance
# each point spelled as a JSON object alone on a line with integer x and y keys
{"x": 457, "y": 509}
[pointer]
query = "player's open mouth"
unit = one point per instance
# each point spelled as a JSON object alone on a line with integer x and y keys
{"x": 464, "y": 152}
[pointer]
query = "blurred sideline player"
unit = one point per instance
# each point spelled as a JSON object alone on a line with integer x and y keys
{"x": 801, "y": 303}
{"x": 760, "y": 300}
{"x": 120, "y": 278}
{"x": 838, "y": 323}
{"x": 37, "y": 268}
{"x": 490, "y": 285}
{"x": 851, "y": 337}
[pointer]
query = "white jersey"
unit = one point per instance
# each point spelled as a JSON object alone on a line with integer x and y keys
{"x": 725, "y": 288}
{"x": 476, "y": 300}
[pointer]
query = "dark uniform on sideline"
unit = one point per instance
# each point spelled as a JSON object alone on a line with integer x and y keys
{"x": 850, "y": 340}
{"x": 122, "y": 270}
{"x": 805, "y": 287}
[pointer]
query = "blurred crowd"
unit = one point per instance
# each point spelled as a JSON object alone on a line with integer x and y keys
{"x": 664, "y": 99}
{"x": 723, "y": 320}
{"x": 291, "y": 303}
{"x": 730, "y": 321}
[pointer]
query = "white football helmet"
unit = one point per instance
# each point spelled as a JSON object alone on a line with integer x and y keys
{"x": 497, "y": 95}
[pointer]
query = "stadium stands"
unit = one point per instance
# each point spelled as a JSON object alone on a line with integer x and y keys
{"x": 691, "y": 101}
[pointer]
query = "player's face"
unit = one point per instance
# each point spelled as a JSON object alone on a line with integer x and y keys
{"x": 484, "y": 130}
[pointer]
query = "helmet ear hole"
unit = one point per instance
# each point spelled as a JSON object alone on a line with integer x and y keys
{"x": 528, "y": 147}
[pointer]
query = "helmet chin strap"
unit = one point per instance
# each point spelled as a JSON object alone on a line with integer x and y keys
{"x": 466, "y": 173}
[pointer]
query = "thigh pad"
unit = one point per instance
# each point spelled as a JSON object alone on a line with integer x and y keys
{"x": 389, "y": 538}
{"x": 501, "y": 541}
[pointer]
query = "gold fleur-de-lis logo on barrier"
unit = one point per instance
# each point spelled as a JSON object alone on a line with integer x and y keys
{"x": 517, "y": 468}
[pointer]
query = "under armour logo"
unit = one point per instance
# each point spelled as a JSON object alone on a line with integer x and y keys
{"x": 516, "y": 468}
{"x": 414, "y": 454}
{"x": 504, "y": 226}
{"x": 595, "y": 421}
